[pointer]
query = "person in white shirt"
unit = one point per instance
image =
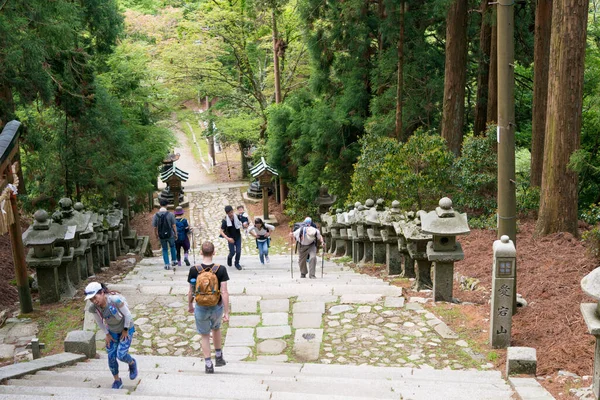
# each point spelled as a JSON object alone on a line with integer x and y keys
{"x": 307, "y": 237}
{"x": 262, "y": 233}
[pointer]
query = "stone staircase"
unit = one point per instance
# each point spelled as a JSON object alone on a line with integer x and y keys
{"x": 184, "y": 378}
{"x": 407, "y": 357}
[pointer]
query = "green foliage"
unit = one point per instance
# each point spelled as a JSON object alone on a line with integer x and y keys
{"x": 475, "y": 174}
{"x": 483, "y": 221}
{"x": 591, "y": 215}
{"x": 592, "y": 239}
{"x": 528, "y": 197}
{"x": 415, "y": 173}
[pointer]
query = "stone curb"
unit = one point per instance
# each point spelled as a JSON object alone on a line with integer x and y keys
{"x": 529, "y": 389}
{"x": 21, "y": 369}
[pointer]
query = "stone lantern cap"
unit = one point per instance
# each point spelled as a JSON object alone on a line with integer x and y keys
{"x": 444, "y": 220}
{"x": 412, "y": 231}
{"x": 43, "y": 231}
{"x": 590, "y": 284}
{"x": 174, "y": 173}
{"x": 505, "y": 248}
{"x": 114, "y": 218}
{"x": 72, "y": 218}
{"x": 325, "y": 199}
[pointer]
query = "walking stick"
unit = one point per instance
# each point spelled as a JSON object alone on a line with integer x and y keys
{"x": 323, "y": 259}
{"x": 193, "y": 245}
{"x": 292, "y": 257}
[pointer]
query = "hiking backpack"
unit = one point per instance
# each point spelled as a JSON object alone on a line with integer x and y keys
{"x": 207, "y": 293}
{"x": 182, "y": 228}
{"x": 164, "y": 229}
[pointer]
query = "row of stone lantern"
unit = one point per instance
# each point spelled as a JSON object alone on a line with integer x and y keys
{"x": 375, "y": 233}
{"x": 74, "y": 244}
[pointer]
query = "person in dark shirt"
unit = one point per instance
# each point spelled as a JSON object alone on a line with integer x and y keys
{"x": 210, "y": 318}
{"x": 231, "y": 230}
{"x": 244, "y": 218}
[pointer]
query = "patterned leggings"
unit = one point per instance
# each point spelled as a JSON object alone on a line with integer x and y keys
{"x": 118, "y": 350}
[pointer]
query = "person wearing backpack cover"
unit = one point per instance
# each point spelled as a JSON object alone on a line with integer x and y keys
{"x": 208, "y": 289}
{"x": 114, "y": 319}
{"x": 306, "y": 236}
{"x": 231, "y": 231}
{"x": 183, "y": 230}
{"x": 165, "y": 229}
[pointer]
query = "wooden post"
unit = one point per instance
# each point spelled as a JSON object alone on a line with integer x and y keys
{"x": 18, "y": 252}
{"x": 265, "y": 195}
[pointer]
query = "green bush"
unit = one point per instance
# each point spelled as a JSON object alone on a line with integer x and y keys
{"x": 592, "y": 239}
{"x": 415, "y": 173}
{"x": 475, "y": 174}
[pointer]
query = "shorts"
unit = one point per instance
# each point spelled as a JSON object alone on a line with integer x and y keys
{"x": 208, "y": 318}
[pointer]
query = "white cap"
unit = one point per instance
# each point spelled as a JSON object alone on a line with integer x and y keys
{"x": 92, "y": 289}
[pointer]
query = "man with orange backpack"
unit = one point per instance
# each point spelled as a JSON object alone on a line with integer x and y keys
{"x": 208, "y": 289}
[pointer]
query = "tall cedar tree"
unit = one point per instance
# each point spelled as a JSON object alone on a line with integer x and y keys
{"x": 485, "y": 36}
{"x": 543, "y": 20}
{"x": 558, "y": 200}
{"x": 456, "y": 74}
{"x": 492, "y": 103}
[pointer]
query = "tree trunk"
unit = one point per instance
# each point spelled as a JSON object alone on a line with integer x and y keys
{"x": 276, "y": 58}
{"x": 7, "y": 105}
{"x": 455, "y": 75}
{"x": 400, "y": 82}
{"x": 558, "y": 200}
{"x": 492, "y": 103}
{"x": 485, "y": 34}
{"x": 543, "y": 19}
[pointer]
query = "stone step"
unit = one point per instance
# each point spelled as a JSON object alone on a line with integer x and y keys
{"x": 113, "y": 395}
{"x": 312, "y": 372}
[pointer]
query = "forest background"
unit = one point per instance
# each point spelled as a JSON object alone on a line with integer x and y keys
{"x": 372, "y": 98}
{"x": 392, "y": 98}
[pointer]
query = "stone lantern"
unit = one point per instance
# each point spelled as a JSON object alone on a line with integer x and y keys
{"x": 444, "y": 224}
{"x": 326, "y": 221}
{"x": 103, "y": 235}
{"x": 416, "y": 245}
{"x": 374, "y": 219}
{"x": 590, "y": 284}
{"x": 336, "y": 234}
{"x": 77, "y": 222}
{"x": 325, "y": 200}
{"x": 345, "y": 233}
{"x": 46, "y": 259}
{"x": 357, "y": 244}
{"x": 113, "y": 218}
{"x": 363, "y": 233}
{"x": 393, "y": 258}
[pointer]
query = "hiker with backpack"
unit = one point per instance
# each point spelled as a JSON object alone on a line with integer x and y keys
{"x": 306, "y": 236}
{"x": 262, "y": 233}
{"x": 114, "y": 319}
{"x": 183, "y": 231}
{"x": 231, "y": 230}
{"x": 165, "y": 229}
{"x": 208, "y": 289}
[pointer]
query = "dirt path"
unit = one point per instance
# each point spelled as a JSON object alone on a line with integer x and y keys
{"x": 198, "y": 176}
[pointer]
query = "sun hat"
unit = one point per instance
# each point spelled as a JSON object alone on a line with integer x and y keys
{"x": 179, "y": 210}
{"x": 92, "y": 289}
{"x": 308, "y": 220}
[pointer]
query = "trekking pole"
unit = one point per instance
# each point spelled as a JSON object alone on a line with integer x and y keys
{"x": 323, "y": 259}
{"x": 193, "y": 245}
{"x": 292, "y": 257}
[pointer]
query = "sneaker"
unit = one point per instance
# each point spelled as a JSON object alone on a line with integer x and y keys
{"x": 267, "y": 259}
{"x": 179, "y": 263}
{"x": 174, "y": 263}
{"x": 220, "y": 361}
{"x": 209, "y": 370}
{"x": 187, "y": 262}
{"x": 167, "y": 267}
{"x": 239, "y": 267}
{"x": 133, "y": 372}
{"x": 229, "y": 262}
{"x": 117, "y": 384}
{"x": 302, "y": 275}
{"x": 312, "y": 277}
